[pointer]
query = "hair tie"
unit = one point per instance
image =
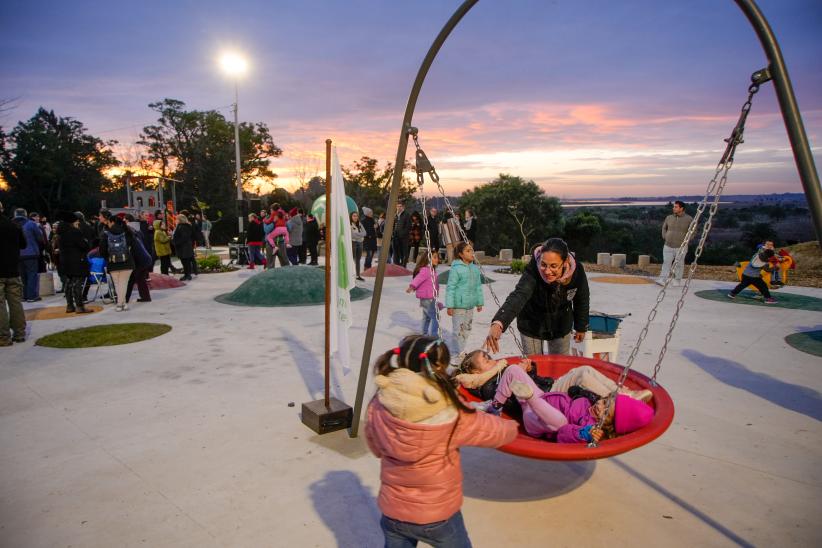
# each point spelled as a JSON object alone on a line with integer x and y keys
{"x": 394, "y": 361}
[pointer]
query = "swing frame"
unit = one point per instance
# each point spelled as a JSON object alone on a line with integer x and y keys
{"x": 788, "y": 107}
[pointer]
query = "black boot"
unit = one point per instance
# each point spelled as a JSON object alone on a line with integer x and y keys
{"x": 78, "y": 300}
{"x": 69, "y": 300}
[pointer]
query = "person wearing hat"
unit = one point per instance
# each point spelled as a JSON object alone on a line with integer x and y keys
{"x": 12, "y": 317}
{"x": 295, "y": 236}
{"x": 73, "y": 262}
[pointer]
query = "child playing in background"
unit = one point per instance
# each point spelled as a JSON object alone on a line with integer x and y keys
{"x": 464, "y": 293}
{"x": 427, "y": 287}
{"x": 752, "y": 275}
{"x": 415, "y": 425}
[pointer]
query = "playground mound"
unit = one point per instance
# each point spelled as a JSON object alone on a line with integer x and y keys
{"x": 391, "y": 270}
{"x": 163, "y": 281}
{"x": 290, "y": 286}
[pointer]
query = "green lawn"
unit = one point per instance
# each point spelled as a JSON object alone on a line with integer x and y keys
{"x": 104, "y": 335}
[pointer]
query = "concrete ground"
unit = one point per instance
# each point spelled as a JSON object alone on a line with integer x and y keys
{"x": 190, "y": 439}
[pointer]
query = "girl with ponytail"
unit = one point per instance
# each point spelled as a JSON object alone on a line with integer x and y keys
{"x": 416, "y": 424}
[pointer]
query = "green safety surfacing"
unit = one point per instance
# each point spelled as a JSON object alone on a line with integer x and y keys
{"x": 809, "y": 342}
{"x": 784, "y": 300}
{"x": 289, "y": 286}
{"x": 443, "y": 278}
{"x": 104, "y": 335}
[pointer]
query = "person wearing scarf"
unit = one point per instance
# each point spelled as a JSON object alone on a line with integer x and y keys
{"x": 550, "y": 300}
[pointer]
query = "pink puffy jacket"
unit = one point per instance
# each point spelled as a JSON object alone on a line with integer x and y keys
{"x": 421, "y": 474}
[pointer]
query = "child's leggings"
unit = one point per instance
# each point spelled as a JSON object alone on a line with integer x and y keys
{"x": 588, "y": 378}
{"x": 538, "y": 416}
{"x": 430, "y": 323}
{"x": 461, "y": 324}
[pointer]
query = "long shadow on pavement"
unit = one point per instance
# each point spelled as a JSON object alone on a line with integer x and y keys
{"x": 694, "y": 511}
{"x": 795, "y": 397}
{"x": 494, "y": 475}
{"x": 309, "y": 367}
{"x": 348, "y": 509}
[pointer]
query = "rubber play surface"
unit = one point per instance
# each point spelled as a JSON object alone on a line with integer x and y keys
{"x": 809, "y": 342}
{"x": 56, "y": 312}
{"x": 784, "y": 300}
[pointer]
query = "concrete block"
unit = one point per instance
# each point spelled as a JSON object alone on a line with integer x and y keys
{"x": 604, "y": 258}
{"x": 46, "y": 284}
{"x": 643, "y": 261}
{"x": 506, "y": 254}
{"x": 479, "y": 256}
{"x": 618, "y": 260}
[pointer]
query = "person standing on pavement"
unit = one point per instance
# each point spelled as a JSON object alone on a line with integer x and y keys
{"x": 674, "y": 230}
{"x": 400, "y": 239}
{"x": 30, "y": 256}
{"x": 369, "y": 243}
{"x": 12, "y": 317}
{"x": 73, "y": 262}
{"x": 311, "y": 237}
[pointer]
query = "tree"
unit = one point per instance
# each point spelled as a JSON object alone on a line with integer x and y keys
{"x": 51, "y": 163}
{"x": 756, "y": 233}
{"x": 498, "y": 203}
{"x": 197, "y": 147}
{"x": 580, "y": 228}
{"x": 370, "y": 186}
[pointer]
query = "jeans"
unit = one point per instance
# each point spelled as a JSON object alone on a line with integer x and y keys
{"x": 668, "y": 255}
{"x": 138, "y": 276}
{"x": 560, "y": 345}
{"x": 31, "y": 277}
{"x": 450, "y": 533}
{"x": 356, "y": 248}
{"x": 254, "y": 255}
{"x": 13, "y": 317}
{"x": 757, "y": 282}
{"x": 369, "y": 257}
{"x": 461, "y": 324}
{"x": 429, "y": 317}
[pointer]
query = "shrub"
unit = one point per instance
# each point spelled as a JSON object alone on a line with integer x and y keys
{"x": 518, "y": 266}
{"x": 212, "y": 262}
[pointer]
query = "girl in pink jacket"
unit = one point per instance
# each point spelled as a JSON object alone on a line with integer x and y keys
{"x": 416, "y": 424}
{"x": 427, "y": 287}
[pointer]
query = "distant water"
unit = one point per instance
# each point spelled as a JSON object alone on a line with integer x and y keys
{"x": 618, "y": 204}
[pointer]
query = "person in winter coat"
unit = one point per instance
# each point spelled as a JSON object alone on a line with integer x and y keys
{"x": 463, "y": 294}
{"x": 425, "y": 284}
{"x": 549, "y": 300}
{"x": 470, "y": 226}
{"x": 13, "y": 318}
{"x": 415, "y": 236}
{"x": 183, "y": 240}
{"x": 295, "y": 236}
{"x": 311, "y": 237}
{"x": 434, "y": 229}
{"x": 254, "y": 240}
{"x": 73, "y": 262}
{"x": 30, "y": 256}
{"x": 369, "y": 243}
{"x": 357, "y": 237}
{"x": 400, "y": 239}
{"x": 752, "y": 275}
{"x": 116, "y": 246}
{"x": 416, "y": 424}
{"x": 162, "y": 246}
{"x": 143, "y": 262}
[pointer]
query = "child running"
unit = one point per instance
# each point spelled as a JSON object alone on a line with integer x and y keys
{"x": 464, "y": 293}
{"x": 415, "y": 425}
{"x": 556, "y": 414}
{"x": 423, "y": 284}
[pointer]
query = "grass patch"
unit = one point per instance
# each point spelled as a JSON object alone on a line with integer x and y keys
{"x": 104, "y": 335}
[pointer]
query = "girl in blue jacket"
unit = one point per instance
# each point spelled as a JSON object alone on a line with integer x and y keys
{"x": 463, "y": 294}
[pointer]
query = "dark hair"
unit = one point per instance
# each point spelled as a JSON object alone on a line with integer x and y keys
{"x": 556, "y": 245}
{"x": 129, "y": 217}
{"x": 680, "y": 203}
{"x": 460, "y": 247}
{"x": 467, "y": 364}
{"x": 766, "y": 254}
{"x": 411, "y": 349}
{"x": 105, "y": 214}
{"x": 422, "y": 262}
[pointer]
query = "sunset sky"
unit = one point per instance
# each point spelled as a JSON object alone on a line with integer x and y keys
{"x": 588, "y": 99}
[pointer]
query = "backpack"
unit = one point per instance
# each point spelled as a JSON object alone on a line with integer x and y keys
{"x": 117, "y": 248}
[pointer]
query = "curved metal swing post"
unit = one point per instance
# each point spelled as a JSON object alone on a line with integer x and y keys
{"x": 790, "y": 115}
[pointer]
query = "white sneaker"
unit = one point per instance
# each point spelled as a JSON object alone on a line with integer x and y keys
{"x": 125, "y": 307}
{"x": 118, "y": 308}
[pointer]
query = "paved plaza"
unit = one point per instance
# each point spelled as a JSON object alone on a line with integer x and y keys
{"x": 191, "y": 439}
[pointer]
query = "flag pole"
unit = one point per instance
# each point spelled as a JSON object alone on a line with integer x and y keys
{"x": 328, "y": 414}
{"x": 327, "y": 271}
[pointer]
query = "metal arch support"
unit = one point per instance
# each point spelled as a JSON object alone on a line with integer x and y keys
{"x": 787, "y": 103}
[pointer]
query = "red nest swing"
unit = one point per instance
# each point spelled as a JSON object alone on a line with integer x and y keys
{"x": 555, "y": 366}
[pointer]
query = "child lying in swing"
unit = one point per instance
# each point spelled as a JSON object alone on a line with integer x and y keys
{"x": 556, "y": 415}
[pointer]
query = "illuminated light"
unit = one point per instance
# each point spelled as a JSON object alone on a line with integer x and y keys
{"x": 233, "y": 64}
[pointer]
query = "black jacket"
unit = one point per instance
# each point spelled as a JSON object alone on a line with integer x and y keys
{"x": 370, "y": 241}
{"x": 12, "y": 241}
{"x": 434, "y": 232}
{"x": 547, "y": 311}
{"x": 402, "y": 226}
{"x": 311, "y": 232}
{"x": 73, "y": 249}
{"x": 183, "y": 240}
{"x": 255, "y": 233}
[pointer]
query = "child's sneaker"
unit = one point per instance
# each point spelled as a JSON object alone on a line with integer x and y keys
{"x": 522, "y": 390}
{"x": 731, "y": 296}
{"x": 770, "y": 300}
{"x": 486, "y": 406}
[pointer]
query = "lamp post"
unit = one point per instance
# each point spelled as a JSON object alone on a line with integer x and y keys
{"x": 235, "y": 66}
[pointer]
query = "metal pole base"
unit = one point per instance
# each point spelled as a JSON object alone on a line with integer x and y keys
{"x": 323, "y": 419}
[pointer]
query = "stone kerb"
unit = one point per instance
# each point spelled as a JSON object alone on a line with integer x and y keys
{"x": 479, "y": 255}
{"x": 618, "y": 260}
{"x": 506, "y": 254}
{"x": 604, "y": 258}
{"x": 643, "y": 261}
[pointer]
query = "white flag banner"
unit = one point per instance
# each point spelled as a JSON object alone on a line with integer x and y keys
{"x": 338, "y": 236}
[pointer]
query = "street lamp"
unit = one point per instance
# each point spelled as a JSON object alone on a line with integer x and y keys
{"x": 236, "y": 66}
